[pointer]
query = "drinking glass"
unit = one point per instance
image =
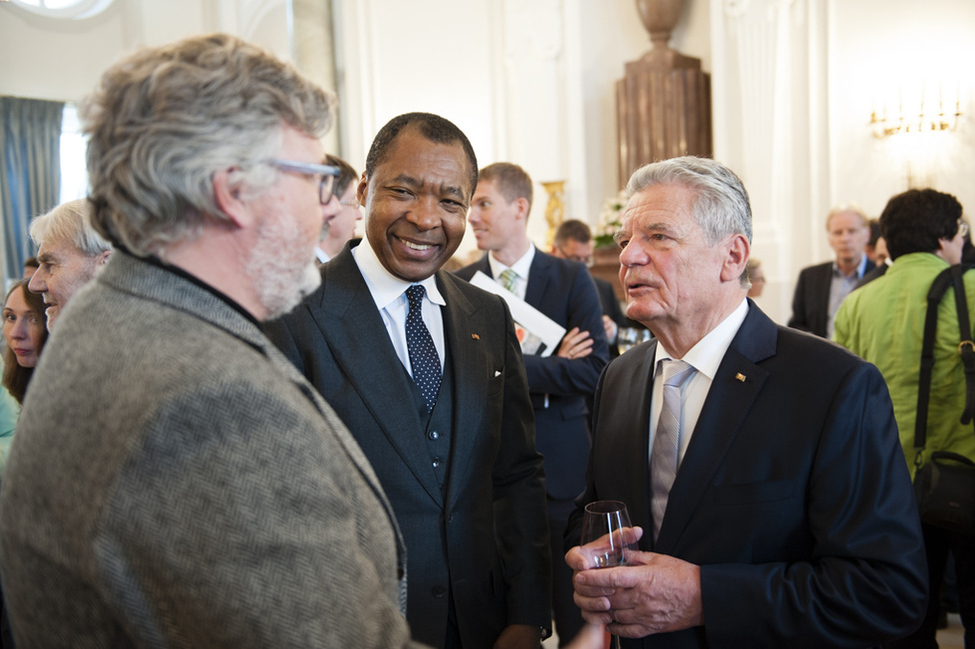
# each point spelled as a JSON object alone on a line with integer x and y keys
{"x": 631, "y": 337}
{"x": 606, "y": 539}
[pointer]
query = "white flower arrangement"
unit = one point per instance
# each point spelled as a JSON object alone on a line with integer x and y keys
{"x": 609, "y": 220}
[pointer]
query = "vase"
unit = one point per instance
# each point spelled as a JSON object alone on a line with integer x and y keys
{"x": 659, "y": 18}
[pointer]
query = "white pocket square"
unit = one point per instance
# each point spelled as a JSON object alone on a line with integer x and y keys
{"x": 497, "y": 372}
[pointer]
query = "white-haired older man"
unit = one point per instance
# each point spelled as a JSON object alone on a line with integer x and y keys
{"x": 176, "y": 482}
{"x": 69, "y": 253}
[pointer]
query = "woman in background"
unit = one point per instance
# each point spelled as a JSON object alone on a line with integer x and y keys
{"x": 24, "y": 332}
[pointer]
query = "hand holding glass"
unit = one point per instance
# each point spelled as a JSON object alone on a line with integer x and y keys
{"x": 607, "y": 536}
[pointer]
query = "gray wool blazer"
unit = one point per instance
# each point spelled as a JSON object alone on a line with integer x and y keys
{"x": 176, "y": 483}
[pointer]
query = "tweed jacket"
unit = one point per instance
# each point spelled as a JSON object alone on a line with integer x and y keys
{"x": 176, "y": 483}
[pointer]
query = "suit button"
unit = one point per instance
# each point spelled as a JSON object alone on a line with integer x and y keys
{"x": 433, "y": 434}
{"x": 437, "y": 463}
{"x": 439, "y": 590}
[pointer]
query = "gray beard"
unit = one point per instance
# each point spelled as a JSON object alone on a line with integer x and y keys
{"x": 281, "y": 273}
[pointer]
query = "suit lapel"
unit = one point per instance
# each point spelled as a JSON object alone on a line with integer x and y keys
{"x": 358, "y": 340}
{"x": 729, "y": 400}
{"x": 538, "y": 278}
{"x": 634, "y": 445}
{"x": 825, "y": 281}
{"x": 468, "y": 364}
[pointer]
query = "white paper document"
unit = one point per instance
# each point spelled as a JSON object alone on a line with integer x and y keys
{"x": 537, "y": 333}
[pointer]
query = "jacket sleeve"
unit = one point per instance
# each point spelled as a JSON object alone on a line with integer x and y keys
{"x": 576, "y": 376}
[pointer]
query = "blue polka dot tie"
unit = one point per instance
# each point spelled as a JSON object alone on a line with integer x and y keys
{"x": 423, "y": 354}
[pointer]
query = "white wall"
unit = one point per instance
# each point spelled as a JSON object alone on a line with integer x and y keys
{"x": 532, "y": 81}
{"x": 529, "y": 81}
{"x": 882, "y": 51}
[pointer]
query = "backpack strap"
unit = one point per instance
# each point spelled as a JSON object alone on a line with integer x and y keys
{"x": 954, "y": 277}
{"x": 966, "y": 348}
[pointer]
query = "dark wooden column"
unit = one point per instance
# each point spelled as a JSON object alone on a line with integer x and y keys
{"x": 664, "y": 99}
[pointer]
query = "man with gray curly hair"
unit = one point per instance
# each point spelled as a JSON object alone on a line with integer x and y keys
{"x": 69, "y": 253}
{"x": 176, "y": 482}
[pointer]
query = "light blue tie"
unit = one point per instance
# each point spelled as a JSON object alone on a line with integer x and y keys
{"x": 666, "y": 440}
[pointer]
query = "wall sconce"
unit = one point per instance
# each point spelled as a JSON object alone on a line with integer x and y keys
{"x": 919, "y": 122}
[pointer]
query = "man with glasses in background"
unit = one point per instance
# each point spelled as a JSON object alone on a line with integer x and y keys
{"x": 341, "y": 227}
{"x": 175, "y": 482}
{"x": 573, "y": 240}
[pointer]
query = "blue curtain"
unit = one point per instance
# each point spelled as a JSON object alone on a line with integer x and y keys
{"x": 30, "y": 171}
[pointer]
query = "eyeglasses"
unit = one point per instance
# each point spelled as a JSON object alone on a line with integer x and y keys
{"x": 328, "y": 173}
{"x": 962, "y": 228}
{"x": 585, "y": 259}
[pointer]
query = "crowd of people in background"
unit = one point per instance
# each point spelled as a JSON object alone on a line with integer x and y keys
{"x": 250, "y": 428}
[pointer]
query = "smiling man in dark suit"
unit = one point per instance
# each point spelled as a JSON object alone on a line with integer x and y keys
{"x": 564, "y": 291}
{"x": 426, "y": 372}
{"x": 762, "y": 464}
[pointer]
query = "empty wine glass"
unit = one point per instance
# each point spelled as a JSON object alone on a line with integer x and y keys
{"x": 607, "y": 537}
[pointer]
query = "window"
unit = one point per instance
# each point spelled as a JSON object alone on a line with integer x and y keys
{"x": 73, "y": 9}
{"x": 74, "y": 173}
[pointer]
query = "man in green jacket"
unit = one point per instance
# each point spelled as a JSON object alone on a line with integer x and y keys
{"x": 883, "y": 322}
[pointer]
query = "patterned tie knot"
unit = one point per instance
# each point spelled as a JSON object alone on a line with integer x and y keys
{"x": 676, "y": 372}
{"x": 508, "y": 277}
{"x": 415, "y": 295}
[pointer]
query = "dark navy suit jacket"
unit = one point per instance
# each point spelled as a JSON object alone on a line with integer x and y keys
{"x": 564, "y": 291}
{"x": 793, "y": 496}
{"x": 483, "y": 534}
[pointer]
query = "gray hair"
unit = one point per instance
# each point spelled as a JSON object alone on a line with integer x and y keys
{"x": 164, "y": 120}
{"x": 851, "y": 208}
{"x": 69, "y": 222}
{"x": 720, "y": 205}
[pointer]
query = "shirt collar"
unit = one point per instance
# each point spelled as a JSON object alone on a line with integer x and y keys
{"x": 860, "y": 269}
{"x": 385, "y": 287}
{"x": 521, "y": 267}
{"x": 707, "y": 354}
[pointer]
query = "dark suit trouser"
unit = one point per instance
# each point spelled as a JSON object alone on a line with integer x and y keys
{"x": 938, "y": 543}
{"x": 568, "y": 617}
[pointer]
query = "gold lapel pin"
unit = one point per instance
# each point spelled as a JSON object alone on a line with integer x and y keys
{"x": 740, "y": 377}
{"x": 475, "y": 337}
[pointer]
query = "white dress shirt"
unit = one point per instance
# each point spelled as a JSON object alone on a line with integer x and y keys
{"x": 389, "y": 294}
{"x": 705, "y": 357}
{"x": 521, "y": 268}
